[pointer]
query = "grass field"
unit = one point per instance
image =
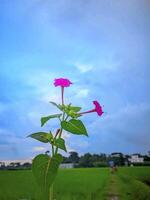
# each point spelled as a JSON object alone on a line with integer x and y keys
{"x": 131, "y": 183}
{"x": 80, "y": 184}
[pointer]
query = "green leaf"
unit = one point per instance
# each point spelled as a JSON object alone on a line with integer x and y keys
{"x": 60, "y": 143}
{"x": 49, "y": 136}
{"x": 57, "y": 105}
{"x": 75, "y": 108}
{"x": 45, "y": 170}
{"x": 74, "y": 126}
{"x": 40, "y": 136}
{"x": 45, "y": 119}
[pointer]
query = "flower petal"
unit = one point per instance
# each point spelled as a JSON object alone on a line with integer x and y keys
{"x": 98, "y": 108}
{"x": 62, "y": 82}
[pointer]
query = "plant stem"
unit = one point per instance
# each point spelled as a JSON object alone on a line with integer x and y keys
{"x": 51, "y": 188}
{"x": 51, "y": 193}
{"x": 57, "y": 132}
{"x": 53, "y": 150}
{"x": 62, "y": 95}
{"x": 60, "y": 132}
{"x": 89, "y": 111}
{"x": 66, "y": 118}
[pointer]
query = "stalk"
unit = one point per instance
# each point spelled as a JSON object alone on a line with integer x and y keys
{"x": 51, "y": 188}
{"x": 60, "y": 132}
{"x": 62, "y": 95}
{"x": 51, "y": 193}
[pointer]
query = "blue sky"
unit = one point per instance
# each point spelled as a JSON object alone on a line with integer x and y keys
{"x": 102, "y": 46}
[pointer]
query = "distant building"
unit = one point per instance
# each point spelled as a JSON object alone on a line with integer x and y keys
{"x": 136, "y": 158}
{"x": 67, "y": 165}
{"x": 116, "y": 154}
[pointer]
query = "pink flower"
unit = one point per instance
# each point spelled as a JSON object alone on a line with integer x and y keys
{"x": 97, "y": 109}
{"x": 62, "y": 82}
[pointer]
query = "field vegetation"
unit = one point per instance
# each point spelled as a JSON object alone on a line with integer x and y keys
{"x": 128, "y": 183}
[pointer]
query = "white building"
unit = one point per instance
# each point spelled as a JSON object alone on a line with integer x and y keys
{"x": 116, "y": 155}
{"x": 136, "y": 158}
{"x": 66, "y": 165}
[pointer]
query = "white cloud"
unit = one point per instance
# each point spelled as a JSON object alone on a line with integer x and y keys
{"x": 82, "y": 93}
{"x": 65, "y": 135}
{"x": 108, "y": 64}
{"x": 34, "y": 117}
{"x": 83, "y": 67}
{"x": 83, "y": 144}
{"x": 39, "y": 149}
{"x": 69, "y": 149}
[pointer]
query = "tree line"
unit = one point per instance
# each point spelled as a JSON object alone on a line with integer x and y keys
{"x": 101, "y": 160}
{"x": 89, "y": 160}
{"x": 86, "y": 160}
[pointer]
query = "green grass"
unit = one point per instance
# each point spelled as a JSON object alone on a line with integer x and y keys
{"x": 15, "y": 185}
{"x": 79, "y": 184}
{"x": 82, "y": 184}
{"x": 131, "y": 183}
{"x": 141, "y": 173}
{"x": 70, "y": 184}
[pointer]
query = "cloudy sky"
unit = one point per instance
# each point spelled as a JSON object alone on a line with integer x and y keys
{"x": 102, "y": 46}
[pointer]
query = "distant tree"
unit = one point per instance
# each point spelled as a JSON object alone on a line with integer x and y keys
{"x": 99, "y": 160}
{"x": 12, "y": 164}
{"x": 86, "y": 160}
{"x": 26, "y": 165}
{"x": 73, "y": 157}
{"x": 17, "y": 164}
{"x": 100, "y": 164}
{"x": 2, "y": 165}
{"x": 47, "y": 152}
{"x": 146, "y": 158}
{"x": 66, "y": 159}
{"x": 103, "y": 157}
{"x": 118, "y": 158}
{"x": 95, "y": 158}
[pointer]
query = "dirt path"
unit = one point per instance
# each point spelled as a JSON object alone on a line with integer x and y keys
{"x": 113, "y": 190}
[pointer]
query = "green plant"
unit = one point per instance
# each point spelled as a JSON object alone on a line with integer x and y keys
{"x": 45, "y": 167}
